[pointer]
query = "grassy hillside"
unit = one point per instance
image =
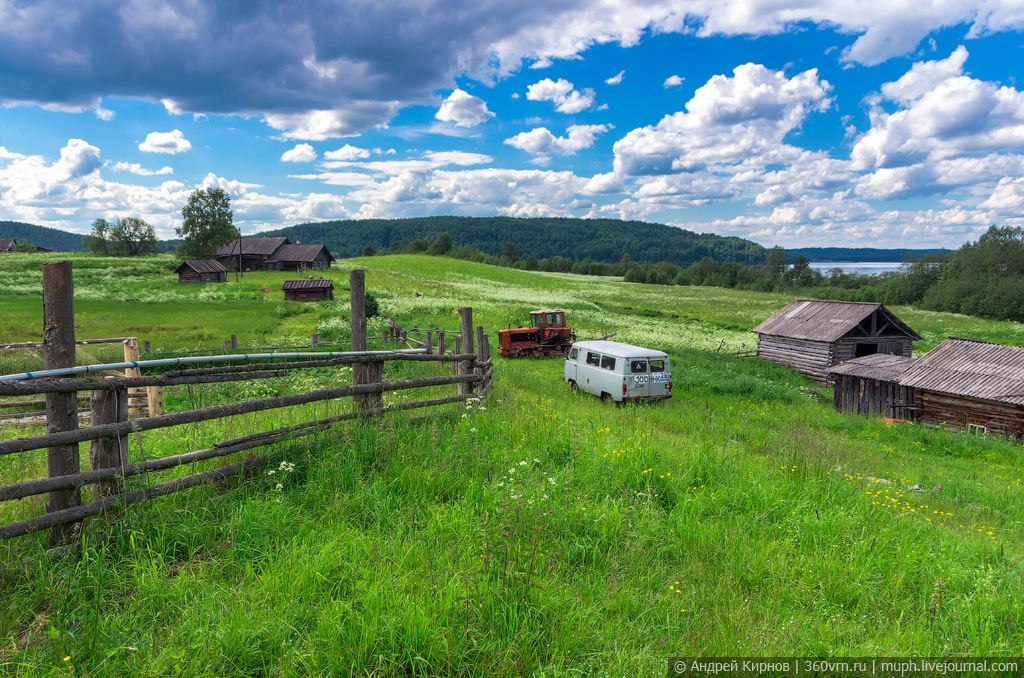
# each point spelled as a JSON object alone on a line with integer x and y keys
{"x": 540, "y": 534}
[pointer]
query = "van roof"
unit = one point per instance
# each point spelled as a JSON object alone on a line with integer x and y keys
{"x": 619, "y": 350}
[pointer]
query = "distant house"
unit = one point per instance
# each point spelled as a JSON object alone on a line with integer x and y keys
{"x": 812, "y": 335}
{"x": 7, "y": 245}
{"x": 299, "y": 258}
{"x": 308, "y": 290}
{"x": 869, "y": 386}
{"x": 40, "y": 248}
{"x": 200, "y": 271}
{"x": 255, "y": 251}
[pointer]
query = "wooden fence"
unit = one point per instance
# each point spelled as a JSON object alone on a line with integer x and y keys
{"x": 110, "y": 426}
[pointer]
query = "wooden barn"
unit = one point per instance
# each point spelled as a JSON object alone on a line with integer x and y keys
{"x": 200, "y": 271}
{"x": 299, "y": 258}
{"x": 308, "y": 290}
{"x": 255, "y": 251}
{"x": 870, "y": 387}
{"x": 812, "y": 335}
{"x": 976, "y": 385}
{"x": 7, "y": 245}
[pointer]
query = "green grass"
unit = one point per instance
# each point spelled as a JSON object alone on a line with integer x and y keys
{"x": 546, "y": 534}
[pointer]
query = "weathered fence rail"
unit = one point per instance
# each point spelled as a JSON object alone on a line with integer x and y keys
{"x": 111, "y": 425}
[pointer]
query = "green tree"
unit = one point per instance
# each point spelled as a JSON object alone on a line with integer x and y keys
{"x": 511, "y": 254}
{"x": 25, "y": 246}
{"x": 207, "y": 224}
{"x": 775, "y": 265}
{"x": 442, "y": 245}
{"x": 532, "y": 263}
{"x": 800, "y": 263}
{"x": 369, "y": 251}
{"x": 132, "y": 237}
{"x": 396, "y": 247}
{"x": 98, "y": 240}
{"x": 985, "y": 278}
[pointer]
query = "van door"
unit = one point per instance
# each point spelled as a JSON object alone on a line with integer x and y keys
{"x": 638, "y": 378}
{"x": 569, "y": 370}
{"x": 661, "y": 377}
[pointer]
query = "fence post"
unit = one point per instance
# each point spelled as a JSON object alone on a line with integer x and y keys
{"x": 466, "y": 366}
{"x": 440, "y": 343}
{"x": 485, "y": 354}
{"x": 478, "y": 368}
{"x": 131, "y": 352}
{"x": 61, "y": 408}
{"x": 457, "y": 348}
{"x": 145, "y": 346}
{"x": 314, "y": 340}
{"x": 234, "y": 342}
{"x": 357, "y": 305}
{"x": 429, "y": 343}
{"x": 108, "y": 407}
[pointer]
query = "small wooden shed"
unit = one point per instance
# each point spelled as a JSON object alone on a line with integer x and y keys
{"x": 308, "y": 290}
{"x": 7, "y": 245}
{"x": 200, "y": 271}
{"x": 812, "y": 335}
{"x": 962, "y": 383}
{"x": 870, "y": 387}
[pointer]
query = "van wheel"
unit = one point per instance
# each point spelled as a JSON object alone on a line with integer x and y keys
{"x": 573, "y": 386}
{"x": 606, "y": 398}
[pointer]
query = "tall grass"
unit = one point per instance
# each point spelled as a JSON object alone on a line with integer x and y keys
{"x": 541, "y": 533}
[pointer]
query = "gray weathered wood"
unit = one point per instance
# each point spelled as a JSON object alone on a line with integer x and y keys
{"x": 61, "y": 408}
{"x": 357, "y": 315}
{"x": 108, "y": 407}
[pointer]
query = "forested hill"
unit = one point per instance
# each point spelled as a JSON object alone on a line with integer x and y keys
{"x": 603, "y": 240}
{"x": 41, "y": 236}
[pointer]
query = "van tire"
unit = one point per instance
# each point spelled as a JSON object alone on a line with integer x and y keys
{"x": 573, "y": 386}
{"x": 606, "y": 397}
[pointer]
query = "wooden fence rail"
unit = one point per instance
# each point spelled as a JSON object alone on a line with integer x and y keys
{"x": 111, "y": 398}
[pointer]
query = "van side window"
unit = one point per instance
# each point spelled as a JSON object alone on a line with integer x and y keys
{"x": 608, "y": 363}
{"x": 593, "y": 359}
{"x": 657, "y": 366}
{"x": 637, "y": 366}
{"x": 573, "y": 353}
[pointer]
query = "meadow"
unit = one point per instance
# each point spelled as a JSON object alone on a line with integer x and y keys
{"x": 538, "y": 532}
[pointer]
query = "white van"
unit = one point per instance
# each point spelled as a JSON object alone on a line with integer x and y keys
{"x": 619, "y": 372}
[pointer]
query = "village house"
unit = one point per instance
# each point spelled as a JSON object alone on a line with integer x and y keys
{"x": 255, "y": 251}
{"x": 7, "y": 245}
{"x": 200, "y": 271}
{"x": 274, "y": 254}
{"x": 299, "y": 258}
{"x": 812, "y": 335}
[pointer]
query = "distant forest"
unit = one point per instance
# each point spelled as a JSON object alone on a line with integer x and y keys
{"x": 41, "y": 236}
{"x": 604, "y": 240}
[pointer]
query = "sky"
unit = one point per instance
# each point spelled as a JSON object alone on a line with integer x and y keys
{"x": 890, "y": 123}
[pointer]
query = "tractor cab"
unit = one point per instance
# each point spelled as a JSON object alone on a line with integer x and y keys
{"x": 545, "y": 319}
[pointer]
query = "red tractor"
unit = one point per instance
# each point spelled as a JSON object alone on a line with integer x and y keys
{"x": 547, "y": 337}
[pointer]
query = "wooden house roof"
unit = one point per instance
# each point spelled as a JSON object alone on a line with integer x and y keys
{"x": 975, "y": 369}
{"x": 880, "y": 366}
{"x": 307, "y": 253}
{"x": 202, "y": 266}
{"x": 254, "y": 246}
{"x": 317, "y": 284}
{"x": 822, "y": 320}
{"x": 7, "y": 244}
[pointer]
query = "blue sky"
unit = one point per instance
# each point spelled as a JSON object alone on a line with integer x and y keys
{"x": 880, "y": 124}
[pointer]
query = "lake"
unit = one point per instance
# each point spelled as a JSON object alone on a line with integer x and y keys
{"x": 863, "y": 267}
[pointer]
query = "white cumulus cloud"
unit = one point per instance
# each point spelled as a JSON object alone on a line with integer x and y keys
{"x": 172, "y": 142}
{"x": 139, "y": 170}
{"x": 540, "y": 141}
{"x": 615, "y": 79}
{"x": 562, "y": 93}
{"x": 463, "y": 109}
{"x": 673, "y": 81}
{"x": 348, "y": 153}
{"x": 301, "y": 153}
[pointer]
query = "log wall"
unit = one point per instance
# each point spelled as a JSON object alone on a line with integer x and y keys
{"x": 810, "y": 357}
{"x": 941, "y": 409}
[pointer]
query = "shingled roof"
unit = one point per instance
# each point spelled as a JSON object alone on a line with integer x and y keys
{"x": 823, "y": 320}
{"x": 7, "y": 244}
{"x": 202, "y": 266}
{"x": 974, "y": 369}
{"x": 319, "y": 283}
{"x": 254, "y": 246}
{"x": 881, "y": 366}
